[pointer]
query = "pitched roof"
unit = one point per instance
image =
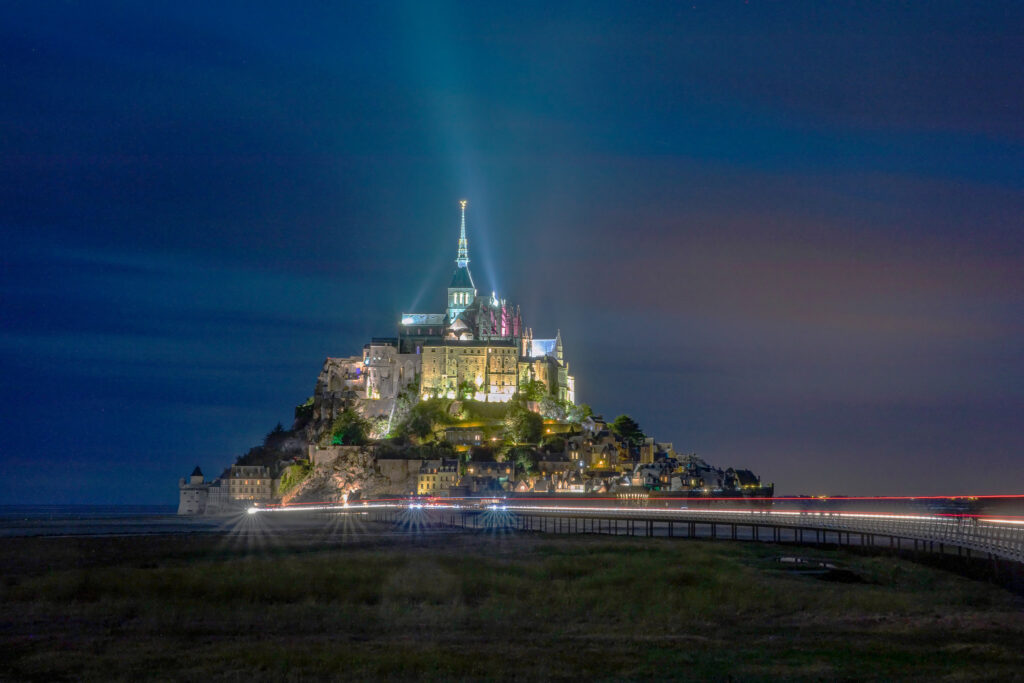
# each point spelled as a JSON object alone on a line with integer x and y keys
{"x": 462, "y": 279}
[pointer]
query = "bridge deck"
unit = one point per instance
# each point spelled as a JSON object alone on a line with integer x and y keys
{"x": 993, "y": 537}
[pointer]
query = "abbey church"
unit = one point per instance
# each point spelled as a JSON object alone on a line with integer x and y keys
{"x": 478, "y": 347}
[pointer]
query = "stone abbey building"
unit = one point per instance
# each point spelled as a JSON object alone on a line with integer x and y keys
{"x": 478, "y": 345}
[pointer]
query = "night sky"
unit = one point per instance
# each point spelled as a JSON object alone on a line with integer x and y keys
{"x": 788, "y": 237}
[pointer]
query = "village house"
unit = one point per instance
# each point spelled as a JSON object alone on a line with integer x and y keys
{"x": 437, "y": 477}
{"x": 251, "y": 483}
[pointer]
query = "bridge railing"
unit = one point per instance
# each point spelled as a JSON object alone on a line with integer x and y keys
{"x": 1005, "y": 540}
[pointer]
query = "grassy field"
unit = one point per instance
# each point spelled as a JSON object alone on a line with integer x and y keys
{"x": 439, "y": 606}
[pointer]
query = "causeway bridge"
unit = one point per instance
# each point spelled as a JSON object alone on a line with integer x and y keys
{"x": 997, "y": 537}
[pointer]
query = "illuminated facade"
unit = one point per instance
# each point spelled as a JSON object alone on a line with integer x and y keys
{"x": 249, "y": 483}
{"x": 387, "y": 370}
{"x": 487, "y": 369}
{"x": 478, "y": 347}
{"x": 436, "y": 477}
{"x": 543, "y": 360}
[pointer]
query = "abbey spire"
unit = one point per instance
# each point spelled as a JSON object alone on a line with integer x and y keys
{"x": 463, "y": 258}
{"x": 461, "y": 290}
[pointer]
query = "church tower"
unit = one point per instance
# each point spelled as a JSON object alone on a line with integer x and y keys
{"x": 461, "y": 290}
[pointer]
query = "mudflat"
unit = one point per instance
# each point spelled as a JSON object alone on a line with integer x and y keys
{"x": 353, "y": 599}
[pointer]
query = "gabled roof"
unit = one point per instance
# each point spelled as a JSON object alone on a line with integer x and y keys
{"x": 462, "y": 279}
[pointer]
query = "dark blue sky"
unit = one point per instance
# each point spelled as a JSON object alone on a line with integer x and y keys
{"x": 787, "y": 237}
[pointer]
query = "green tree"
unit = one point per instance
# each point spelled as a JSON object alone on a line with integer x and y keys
{"x": 423, "y": 418}
{"x": 524, "y": 458}
{"x": 293, "y": 476}
{"x": 466, "y": 389}
{"x": 551, "y": 408}
{"x": 304, "y": 412}
{"x": 533, "y": 390}
{"x": 404, "y": 402}
{"x": 379, "y": 428}
{"x": 522, "y": 425}
{"x": 578, "y": 413}
{"x": 628, "y": 430}
{"x": 349, "y": 429}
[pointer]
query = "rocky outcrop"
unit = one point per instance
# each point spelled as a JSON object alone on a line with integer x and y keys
{"x": 354, "y": 470}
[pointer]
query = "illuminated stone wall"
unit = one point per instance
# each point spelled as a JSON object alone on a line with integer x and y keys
{"x": 491, "y": 368}
{"x": 388, "y": 371}
{"x": 341, "y": 374}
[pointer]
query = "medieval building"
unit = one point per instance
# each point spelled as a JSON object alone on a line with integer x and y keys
{"x": 477, "y": 347}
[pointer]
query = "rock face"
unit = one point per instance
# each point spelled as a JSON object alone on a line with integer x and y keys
{"x": 353, "y": 470}
{"x": 402, "y": 473}
{"x": 342, "y": 384}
